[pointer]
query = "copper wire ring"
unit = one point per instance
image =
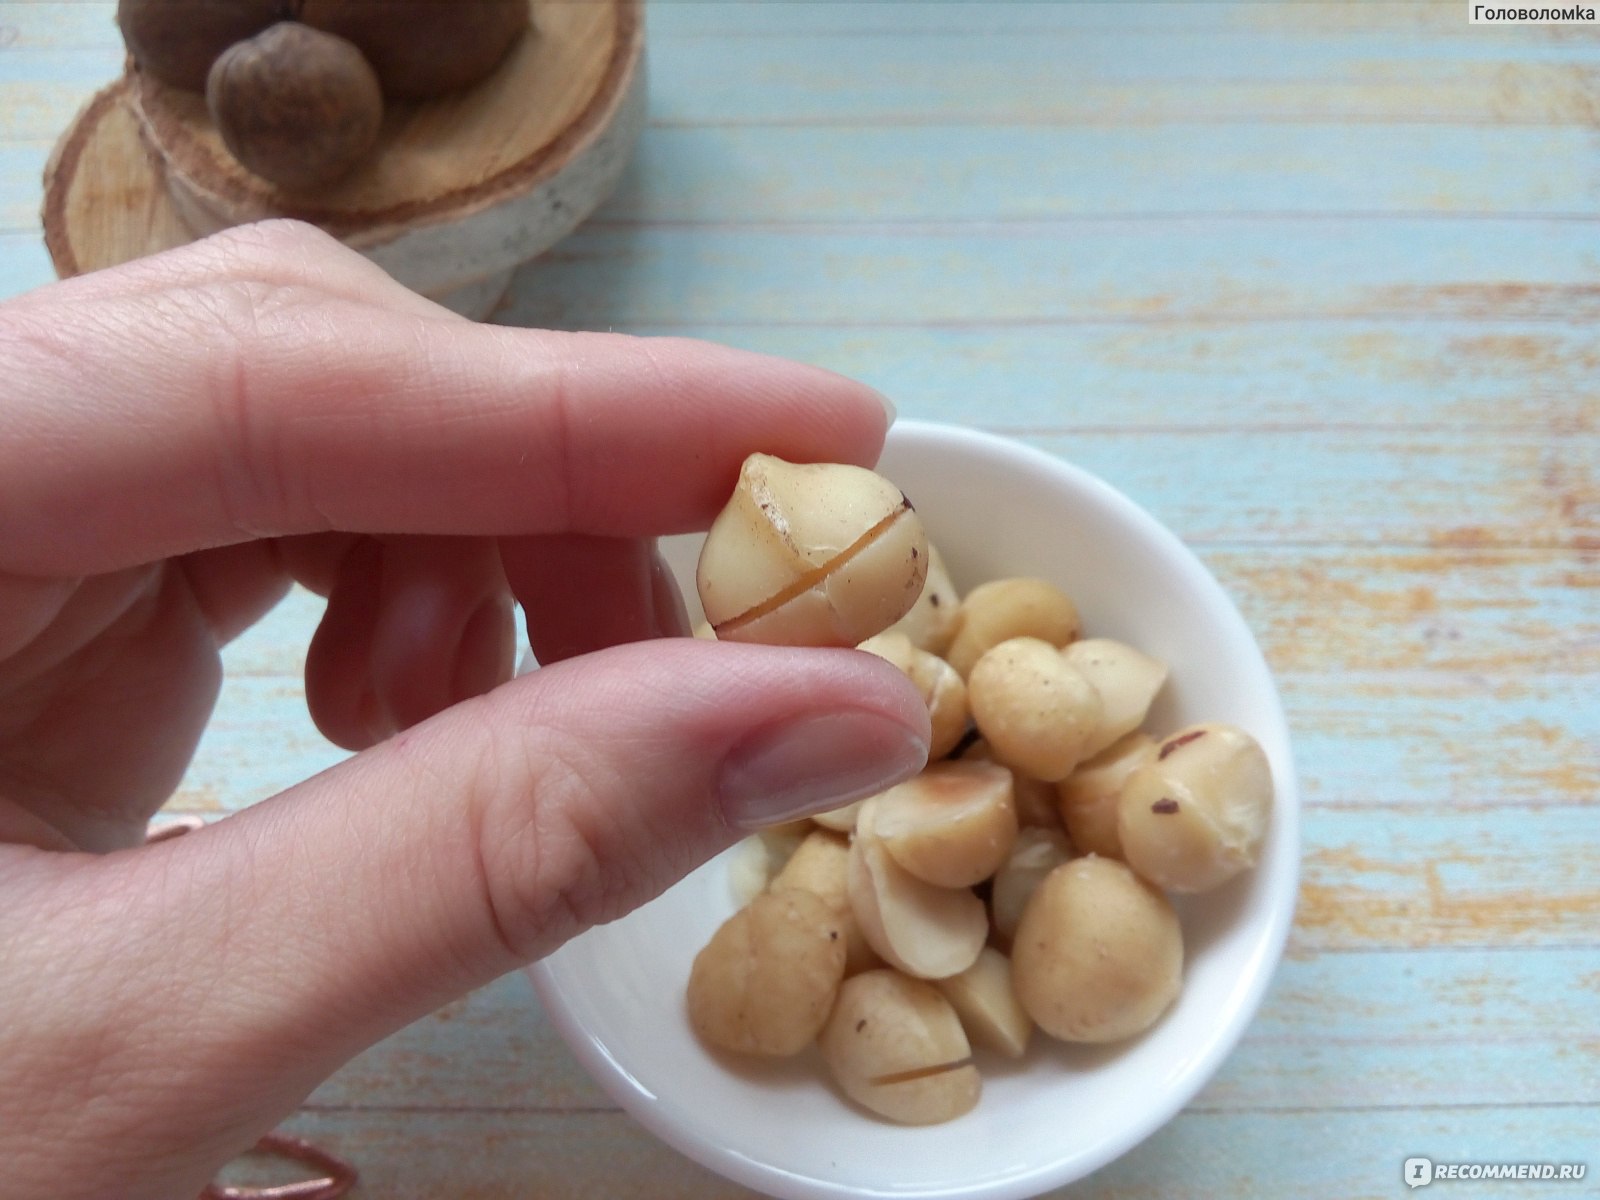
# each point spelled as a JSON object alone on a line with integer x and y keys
{"x": 340, "y": 1176}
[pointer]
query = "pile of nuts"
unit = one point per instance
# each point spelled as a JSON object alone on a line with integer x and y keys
{"x": 1019, "y": 880}
{"x": 296, "y": 87}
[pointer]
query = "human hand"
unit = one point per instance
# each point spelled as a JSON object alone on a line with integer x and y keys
{"x": 181, "y": 439}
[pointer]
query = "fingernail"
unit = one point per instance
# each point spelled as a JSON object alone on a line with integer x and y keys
{"x": 670, "y": 613}
{"x": 815, "y": 763}
{"x": 889, "y": 410}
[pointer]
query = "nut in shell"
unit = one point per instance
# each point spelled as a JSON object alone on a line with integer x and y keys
{"x": 814, "y": 554}
{"x": 177, "y": 40}
{"x": 296, "y": 106}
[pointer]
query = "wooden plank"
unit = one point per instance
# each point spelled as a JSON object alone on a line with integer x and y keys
{"x": 945, "y": 173}
{"x": 1462, "y": 375}
{"x": 1500, "y": 613}
{"x": 1346, "y": 1030}
{"x": 1030, "y": 173}
{"x": 1201, "y": 271}
{"x": 1458, "y": 739}
{"x": 1200, "y": 1155}
{"x": 1421, "y": 879}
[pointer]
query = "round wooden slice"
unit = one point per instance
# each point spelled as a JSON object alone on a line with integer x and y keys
{"x": 106, "y": 204}
{"x": 459, "y": 187}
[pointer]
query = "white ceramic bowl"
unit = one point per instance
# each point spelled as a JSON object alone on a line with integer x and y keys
{"x": 994, "y": 508}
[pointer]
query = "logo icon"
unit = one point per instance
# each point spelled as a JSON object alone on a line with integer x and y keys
{"x": 1418, "y": 1172}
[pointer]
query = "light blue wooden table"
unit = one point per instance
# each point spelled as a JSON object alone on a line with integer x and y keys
{"x": 1317, "y": 284}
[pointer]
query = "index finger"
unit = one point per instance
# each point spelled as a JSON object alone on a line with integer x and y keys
{"x": 146, "y": 425}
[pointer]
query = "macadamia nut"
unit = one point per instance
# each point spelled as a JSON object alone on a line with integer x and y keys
{"x": 987, "y": 1004}
{"x": 1126, "y": 680}
{"x": 895, "y": 1046}
{"x": 931, "y": 623}
{"x": 943, "y": 691}
{"x": 1099, "y": 954}
{"x": 1196, "y": 814}
{"x": 1036, "y": 852}
{"x": 1089, "y": 795}
{"x": 924, "y": 930}
{"x": 952, "y": 825}
{"x": 821, "y": 866}
{"x": 766, "y": 981}
{"x": 1010, "y": 608}
{"x": 816, "y": 554}
{"x": 1034, "y": 708}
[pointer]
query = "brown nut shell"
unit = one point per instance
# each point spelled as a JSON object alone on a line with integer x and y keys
{"x": 177, "y": 40}
{"x": 298, "y": 107}
{"x": 424, "y": 48}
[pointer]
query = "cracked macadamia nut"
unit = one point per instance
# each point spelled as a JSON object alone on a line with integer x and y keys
{"x": 815, "y": 554}
{"x": 952, "y": 825}
{"x": 896, "y": 1047}
{"x": 296, "y": 106}
{"x": 1195, "y": 815}
{"x": 1089, "y": 796}
{"x": 1099, "y": 954}
{"x": 987, "y": 1004}
{"x": 1034, "y": 854}
{"x": 1127, "y": 681}
{"x": 942, "y": 690}
{"x": 1034, "y": 708}
{"x": 766, "y": 981}
{"x": 1010, "y": 608}
{"x": 923, "y": 929}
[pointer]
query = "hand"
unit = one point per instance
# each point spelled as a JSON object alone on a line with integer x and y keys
{"x": 183, "y": 437}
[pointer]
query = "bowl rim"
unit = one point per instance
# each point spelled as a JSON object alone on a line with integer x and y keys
{"x": 649, "y": 1110}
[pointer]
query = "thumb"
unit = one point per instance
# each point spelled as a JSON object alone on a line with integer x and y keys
{"x": 318, "y": 922}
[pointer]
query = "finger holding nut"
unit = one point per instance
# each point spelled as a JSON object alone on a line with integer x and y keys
{"x": 1003, "y": 609}
{"x": 1036, "y": 710}
{"x": 766, "y": 981}
{"x": 815, "y": 554}
{"x": 896, "y": 1047}
{"x": 1195, "y": 815}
